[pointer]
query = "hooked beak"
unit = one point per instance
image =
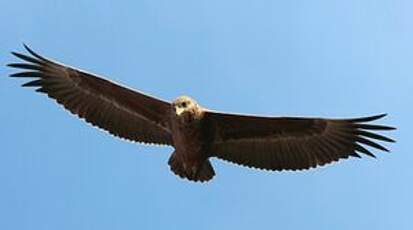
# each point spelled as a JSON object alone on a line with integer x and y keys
{"x": 179, "y": 111}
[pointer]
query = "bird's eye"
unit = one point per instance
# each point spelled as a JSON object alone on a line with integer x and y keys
{"x": 184, "y": 104}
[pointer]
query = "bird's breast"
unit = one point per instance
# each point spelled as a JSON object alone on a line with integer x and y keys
{"x": 188, "y": 141}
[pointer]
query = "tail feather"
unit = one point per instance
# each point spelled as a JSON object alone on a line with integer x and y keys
{"x": 204, "y": 173}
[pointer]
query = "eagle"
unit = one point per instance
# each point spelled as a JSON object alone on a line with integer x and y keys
{"x": 196, "y": 133}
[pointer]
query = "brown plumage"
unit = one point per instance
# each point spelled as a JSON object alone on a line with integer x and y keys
{"x": 197, "y": 134}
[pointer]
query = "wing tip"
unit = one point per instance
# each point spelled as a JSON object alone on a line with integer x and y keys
{"x": 11, "y": 65}
{"x": 374, "y": 127}
{"x": 363, "y": 150}
{"x": 368, "y": 118}
{"x": 365, "y": 135}
{"x": 34, "y": 83}
{"x": 28, "y": 49}
{"x": 16, "y": 54}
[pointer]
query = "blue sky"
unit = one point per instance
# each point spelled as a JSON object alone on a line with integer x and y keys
{"x": 301, "y": 58}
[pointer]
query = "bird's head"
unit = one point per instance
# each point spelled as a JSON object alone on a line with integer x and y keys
{"x": 186, "y": 108}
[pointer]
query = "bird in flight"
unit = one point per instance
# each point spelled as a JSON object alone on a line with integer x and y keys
{"x": 198, "y": 134}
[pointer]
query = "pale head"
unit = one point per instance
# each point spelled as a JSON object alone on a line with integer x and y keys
{"x": 186, "y": 108}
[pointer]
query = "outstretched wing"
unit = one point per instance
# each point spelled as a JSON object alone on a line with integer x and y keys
{"x": 291, "y": 143}
{"x": 122, "y": 112}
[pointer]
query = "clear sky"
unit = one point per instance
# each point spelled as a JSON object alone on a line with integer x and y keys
{"x": 329, "y": 58}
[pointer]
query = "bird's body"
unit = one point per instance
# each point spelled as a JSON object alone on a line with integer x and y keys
{"x": 188, "y": 135}
{"x": 196, "y": 133}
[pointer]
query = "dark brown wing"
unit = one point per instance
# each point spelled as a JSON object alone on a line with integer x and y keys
{"x": 122, "y": 112}
{"x": 291, "y": 143}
